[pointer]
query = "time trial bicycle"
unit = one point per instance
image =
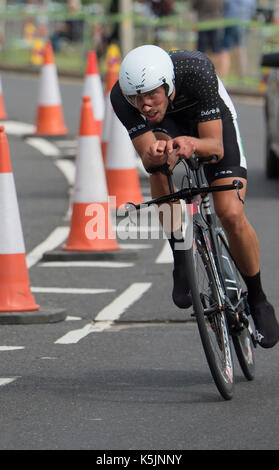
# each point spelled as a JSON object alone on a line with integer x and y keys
{"x": 218, "y": 291}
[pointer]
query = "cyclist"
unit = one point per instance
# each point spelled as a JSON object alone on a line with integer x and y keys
{"x": 172, "y": 105}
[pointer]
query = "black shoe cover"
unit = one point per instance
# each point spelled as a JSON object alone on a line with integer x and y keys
{"x": 266, "y": 325}
{"x": 181, "y": 293}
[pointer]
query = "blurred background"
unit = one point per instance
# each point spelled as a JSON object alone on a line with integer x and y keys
{"x": 76, "y": 26}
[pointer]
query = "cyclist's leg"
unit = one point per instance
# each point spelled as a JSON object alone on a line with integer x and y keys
{"x": 242, "y": 237}
{"x": 170, "y": 216}
{"x": 230, "y": 210}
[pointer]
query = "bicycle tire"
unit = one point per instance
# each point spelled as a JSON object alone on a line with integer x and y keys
{"x": 235, "y": 286}
{"x": 211, "y": 318}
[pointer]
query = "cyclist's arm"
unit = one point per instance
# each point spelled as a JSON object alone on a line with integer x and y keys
{"x": 151, "y": 150}
{"x": 209, "y": 142}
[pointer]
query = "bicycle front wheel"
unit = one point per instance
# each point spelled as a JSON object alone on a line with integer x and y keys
{"x": 211, "y": 319}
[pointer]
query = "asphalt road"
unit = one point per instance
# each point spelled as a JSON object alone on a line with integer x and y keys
{"x": 142, "y": 382}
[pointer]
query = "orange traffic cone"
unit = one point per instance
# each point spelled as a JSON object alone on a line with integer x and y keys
{"x": 3, "y": 114}
{"x": 93, "y": 87}
{"x": 122, "y": 175}
{"x": 49, "y": 118}
{"x": 15, "y": 294}
{"x": 111, "y": 79}
{"x": 91, "y": 228}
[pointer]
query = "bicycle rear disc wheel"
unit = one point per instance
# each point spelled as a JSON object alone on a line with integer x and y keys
{"x": 242, "y": 338}
{"x": 212, "y": 322}
{"x": 244, "y": 349}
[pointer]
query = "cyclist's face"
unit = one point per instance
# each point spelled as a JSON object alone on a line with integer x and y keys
{"x": 153, "y": 104}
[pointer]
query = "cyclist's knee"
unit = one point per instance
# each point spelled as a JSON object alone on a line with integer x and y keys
{"x": 233, "y": 220}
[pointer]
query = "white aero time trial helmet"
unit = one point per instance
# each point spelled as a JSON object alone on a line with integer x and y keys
{"x": 144, "y": 69}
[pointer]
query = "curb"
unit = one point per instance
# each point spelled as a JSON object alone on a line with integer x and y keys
{"x": 117, "y": 255}
{"x": 34, "y": 317}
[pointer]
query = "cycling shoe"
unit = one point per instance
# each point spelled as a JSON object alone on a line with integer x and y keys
{"x": 266, "y": 325}
{"x": 181, "y": 294}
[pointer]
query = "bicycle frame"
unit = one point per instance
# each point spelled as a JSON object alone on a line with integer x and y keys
{"x": 205, "y": 247}
{"x": 188, "y": 195}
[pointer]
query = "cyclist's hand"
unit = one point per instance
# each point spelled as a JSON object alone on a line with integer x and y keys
{"x": 172, "y": 159}
{"x": 156, "y": 155}
{"x": 183, "y": 146}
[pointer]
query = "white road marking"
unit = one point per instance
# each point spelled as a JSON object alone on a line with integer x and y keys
{"x": 72, "y": 318}
{"x": 140, "y": 228}
{"x": 8, "y": 380}
{"x": 44, "y": 146}
{"x": 134, "y": 246}
{"x": 115, "y": 309}
{"x": 69, "y": 290}
{"x": 66, "y": 143}
{"x": 10, "y": 348}
{"x": 75, "y": 336}
{"x": 166, "y": 254}
{"x": 109, "y": 314}
{"x": 55, "y": 238}
{"x": 18, "y": 128}
{"x": 68, "y": 168}
{"x": 85, "y": 264}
